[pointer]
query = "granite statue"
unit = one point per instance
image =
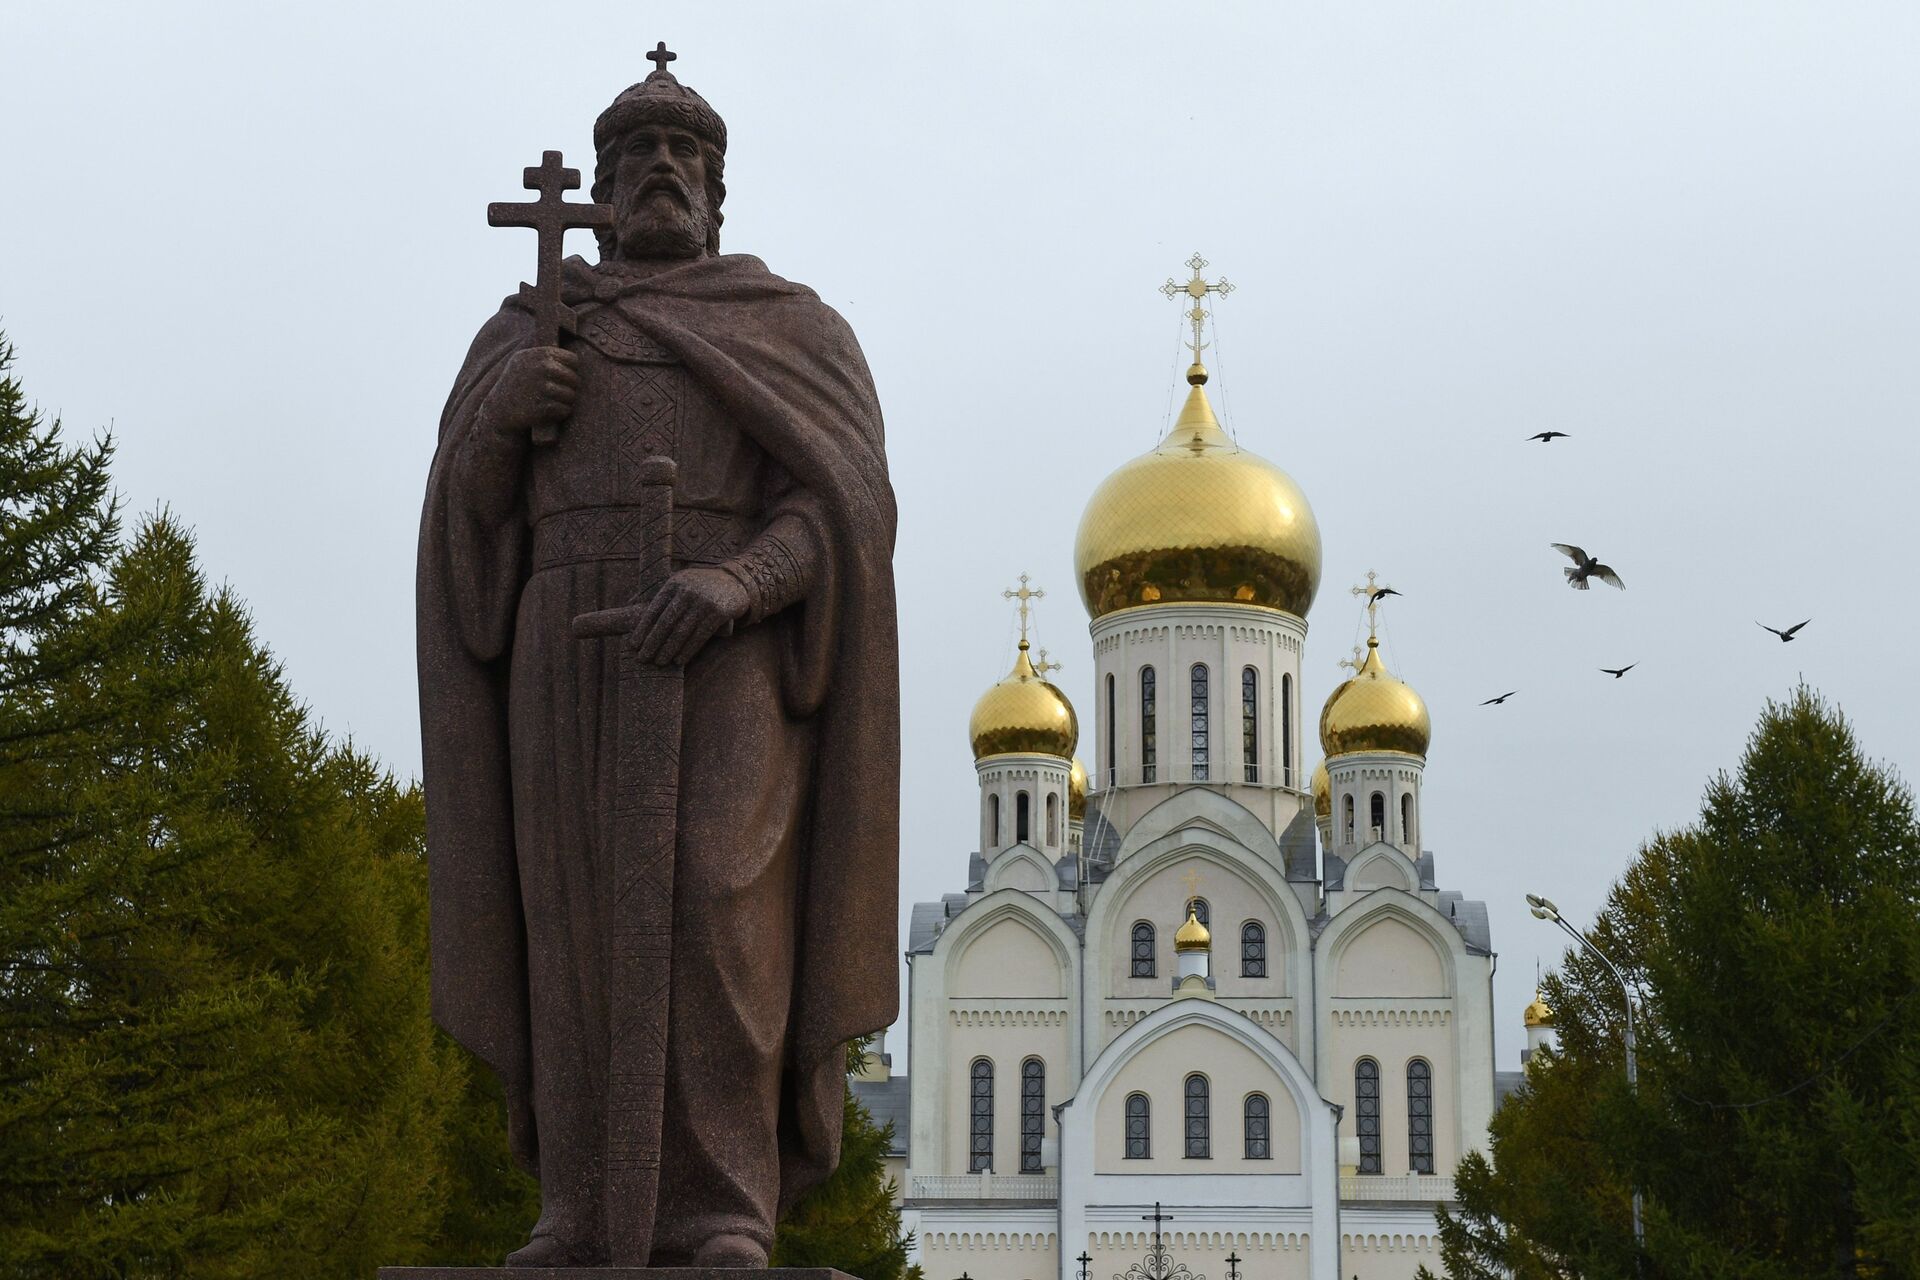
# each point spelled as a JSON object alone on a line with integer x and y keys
{"x": 660, "y": 710}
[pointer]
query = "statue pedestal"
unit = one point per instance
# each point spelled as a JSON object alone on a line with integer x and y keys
{"x": 612, "y": 1273}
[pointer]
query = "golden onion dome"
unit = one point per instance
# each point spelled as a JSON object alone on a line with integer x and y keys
{"x": 1538, "y": 1014}
{"x": 1322, "y": 792}
{"x": 1198, "y": 519}
{"x": 1374, "y": 711}
{"x": 1023, "y": 715}
{"x": 1077, "y": 790}
{"x": 1191, "y": 936}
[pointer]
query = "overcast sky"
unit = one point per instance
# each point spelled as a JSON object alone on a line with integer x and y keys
{"x": 252, "y": 241}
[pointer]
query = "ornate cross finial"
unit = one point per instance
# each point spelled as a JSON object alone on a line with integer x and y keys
{"x": 660, "y": 56}
{"x": 1043, "y": 666}
{"x": 1023, "y": 595}
{"x": 1355, "y": 662}
{"x": 1197, "y": 289}
{"x": 1373, "y": 591}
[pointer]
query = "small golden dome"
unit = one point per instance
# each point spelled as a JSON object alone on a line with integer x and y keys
{"x": 1191, "y": 936}
{"x": 1375, "y": 712}
{"x": 1537, "y": 1014}
{"x": 1322, "y": 792}
{"x": 1077, "y": 790}
{"x": 1023, "y": 715}
{"x": 1198, "y": 519}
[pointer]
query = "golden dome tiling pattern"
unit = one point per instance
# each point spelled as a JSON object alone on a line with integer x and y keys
{"x": 1023, "y": 715}
{"x": 1077, "y": 790}
{"x": 1322, "y": 792}
{"x": 1375, "y": 712}
{"x": 1192, "y": 936}
{"x": 1537, "y": 1014}
{"x": 1198, "y": 519}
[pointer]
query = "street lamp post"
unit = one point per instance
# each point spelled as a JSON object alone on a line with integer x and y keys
{"x": 1545, "y": 910}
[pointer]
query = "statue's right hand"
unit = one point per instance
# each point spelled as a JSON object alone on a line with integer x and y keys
{"x": 536, "y": 389}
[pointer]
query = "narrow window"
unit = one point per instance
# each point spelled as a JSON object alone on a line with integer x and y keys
{"x": 1201, "y": 911}
{"x": 1143, "y": 950}
{"x": 1139, "y": 1127}
{"x": 1200, "y": 723}
{"x": 993, "y": 818}
{"x": 1021, "y": 818}
{"x": 1149, "y": 747}
{"x": 1286, "y": 730}
{"x": 1377, "y": 812}
{"x": 1420, "y": 1115}
{"x": 1255, "y": 1124}
{"x": 1349, "y": 818}
{"x": 980, "y": 1122}
{"x": 1366, "y": 1112}
{"x": 1113, "y": 760}
{"x": 1406, "y": 820}
{"x": 1253, "y": 950}
{"x": 1033, "y": 1112}
{"x": 1250, "y": 722}
{"x": 1053, "y": 818}
{"x": 1199, "y": 1121}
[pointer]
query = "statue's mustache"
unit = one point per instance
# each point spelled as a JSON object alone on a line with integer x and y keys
{"x": 667, "y": 183}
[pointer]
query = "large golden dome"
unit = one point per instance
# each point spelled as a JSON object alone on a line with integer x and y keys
{"x": 1077, "y": 790}
{"x": 1198, "y": 519}
{"x": 1375, "y": 712}
{"x": 1322, "y": 791}
{"x": 1023, "y": 715}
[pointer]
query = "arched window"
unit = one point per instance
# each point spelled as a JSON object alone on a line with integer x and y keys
{"x": 1199, "y": 1119}
{"x": 1143, "y": 950}
{"x": 1366, "y": 1112}
{"x": 1113, "y": 759}
{"x": 1348, "y": 814}
{"x": 1033, "y": 1112}
{"x": 1022, "y": 818}
{"x": 1286, "y": 730}
{"x": 1253, "y": 950}
{"x": 1139, "y": 1127}
{"x": 1406, "y": 820}
{"x": 1377, "y": 814}
{"x": 1053, "y": 818}
{"x": 1254, "y": 1124}
{"x": 1201, "y": 911}
{"x": 993, "y": 819}
{"x": 1420, "y": 1115}
{"x": 980, "y": 1118}
{"x": 1149, "y": 744}
{"x": 1200, "y": 722}
{"x": 1250, "y": 723}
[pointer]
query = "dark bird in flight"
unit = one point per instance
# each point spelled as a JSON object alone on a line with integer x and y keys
{"x": 1586, "y": 566}
{"x": 1548, "y": 437}
{"x": 1617, "y": 672}
{"x": 1786, "y": 635}
{"x": 1381, "y": 593}
{"x": 1494, "y": 702}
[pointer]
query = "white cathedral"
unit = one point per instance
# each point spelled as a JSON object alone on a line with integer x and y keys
{"x": 1202, "y": 996}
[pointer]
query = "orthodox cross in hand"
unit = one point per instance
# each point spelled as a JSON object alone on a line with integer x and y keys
{"x": 1196, "y": 289}
{"x": 1024, "y": 594}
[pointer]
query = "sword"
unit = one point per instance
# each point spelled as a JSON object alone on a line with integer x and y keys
{"x": 640, "y": 951}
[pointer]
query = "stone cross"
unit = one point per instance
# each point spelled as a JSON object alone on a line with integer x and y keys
{"x": 1197, "y": 289}
{"x": 660, "y": 56}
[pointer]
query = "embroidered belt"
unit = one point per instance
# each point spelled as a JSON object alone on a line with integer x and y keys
{"x": 587, "y": 534}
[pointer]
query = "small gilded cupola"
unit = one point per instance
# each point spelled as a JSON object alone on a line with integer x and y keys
{"x": 1375, "y": 731}
{"x": 1023, "y": 731}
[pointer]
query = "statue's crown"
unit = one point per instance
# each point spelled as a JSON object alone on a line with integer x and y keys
{"x": 660, "y": 99}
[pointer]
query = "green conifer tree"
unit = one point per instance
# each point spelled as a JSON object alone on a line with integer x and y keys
{"x": 1776, "y": 1131}
{"x": 850, "y": 1221}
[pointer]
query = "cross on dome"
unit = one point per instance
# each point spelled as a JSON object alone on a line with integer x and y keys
{"x": 1041, "y": 667}
{"x": 1023, "y": 595}
{"x": 1197, "y": 289}
{"x": 1373, "y": 590}
{"x": 660, "y": 56}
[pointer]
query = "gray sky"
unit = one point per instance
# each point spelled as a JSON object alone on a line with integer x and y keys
{"x": 253, "y": 241}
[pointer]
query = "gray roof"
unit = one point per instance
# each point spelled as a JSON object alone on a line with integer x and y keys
{"x": 1470, "y": 918}
{"x": 888, "y": 1102}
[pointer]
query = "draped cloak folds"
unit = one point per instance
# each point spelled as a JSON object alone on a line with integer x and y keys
{"x": 790, "y": 371}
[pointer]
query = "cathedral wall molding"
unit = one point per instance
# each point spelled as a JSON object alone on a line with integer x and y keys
{"x": 969, "y": 1015}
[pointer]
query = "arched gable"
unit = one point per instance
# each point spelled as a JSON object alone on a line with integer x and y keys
{"x": 1022, "y": 867}
{"x": 959, "y": 955}
{"x": 1413, "y": 923}
{"x": 1381, "y": 866}
{"x": 1201, "y": 808}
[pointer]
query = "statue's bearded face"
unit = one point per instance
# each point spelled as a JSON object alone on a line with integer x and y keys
{"x": 660, "y": 205}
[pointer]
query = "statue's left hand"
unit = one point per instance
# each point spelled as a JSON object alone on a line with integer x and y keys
{"x": 695, "y": 604}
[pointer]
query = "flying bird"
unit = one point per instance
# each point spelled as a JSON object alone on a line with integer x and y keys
{"x": 1494, "y": 702}
{"x": 1617, "y": 672}
{"x": 1548, "y": 437}
{"x": 1381, "y": 593}
{"x": 1785, "y": 636}
{"x": 1586, "y": 566}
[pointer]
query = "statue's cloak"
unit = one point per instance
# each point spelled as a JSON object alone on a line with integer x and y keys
{"x": 788, "y": 367}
